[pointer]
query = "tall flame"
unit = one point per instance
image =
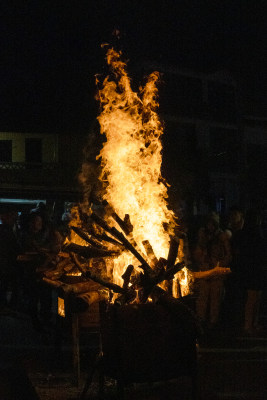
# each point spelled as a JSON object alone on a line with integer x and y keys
{"x": 131, "y": 157}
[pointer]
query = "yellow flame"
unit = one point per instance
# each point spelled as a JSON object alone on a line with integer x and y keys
{"x": 131, "y": 157}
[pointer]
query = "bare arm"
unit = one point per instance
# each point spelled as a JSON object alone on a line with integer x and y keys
{"x": 216, "y": 271}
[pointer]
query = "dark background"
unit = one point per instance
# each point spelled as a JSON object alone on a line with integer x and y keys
{"x": 50, "y": 52}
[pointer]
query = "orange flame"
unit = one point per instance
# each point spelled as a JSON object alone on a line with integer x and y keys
{"x": 131, "y": 157}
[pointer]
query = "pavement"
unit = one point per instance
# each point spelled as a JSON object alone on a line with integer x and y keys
{"x": 230, "y": 367}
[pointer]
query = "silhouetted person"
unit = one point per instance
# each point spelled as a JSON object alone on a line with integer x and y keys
{"x": 9, "y": 249}
{"x": 41, "y": 243}
{"x": 212, "y": 249}
{"x": 250, "y": 252}
{"x": 232, "y": 304}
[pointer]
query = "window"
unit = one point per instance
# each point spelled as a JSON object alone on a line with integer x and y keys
{"x": 5, "y": 150}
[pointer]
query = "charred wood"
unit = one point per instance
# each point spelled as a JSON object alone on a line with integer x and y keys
{"x": 127, "y": 276}
{"x": 89, "y": 252}
{"x": 119, "y": 235}
{"x": 85, "y": 237}
{"x": 150, "y": 253}
{"x": 173, "y": 251}
{"x": 83, "y": 301}
{"x": 54, "y": 274}
{"x": 106, "y": 238}
{"x": 63, "y": 262}
{"x": 125, "y": 224}
{"x": 55, "y": 284}
{"x": 78, "y": 288}
{"x": 89, "y": 274}
{"x": 172, "y": 255}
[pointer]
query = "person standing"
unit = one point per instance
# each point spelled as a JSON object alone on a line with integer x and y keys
{"x": 250, "y": 249}
{"x": 9, "y": 249}
{"x": 41, "y": 244}
{"x": 211, "y": 250}
{"x": 233, "y": 299}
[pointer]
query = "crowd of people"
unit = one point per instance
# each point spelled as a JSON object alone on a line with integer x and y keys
{"x": 29, "y": 243}
{"x": 228, "y": 264}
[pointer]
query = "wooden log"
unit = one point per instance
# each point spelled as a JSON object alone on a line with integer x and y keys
{"x": 127, "y": 228}
{"x": 106, "y": 238}
{"x": 127, "y": 276}
{"x": 89, "y": 252}
{"x": 99, "y": 221}
{"x": 78, "y": 288}
{"x": 109, "y": 285}
{"x": 173, "y": 251}
{"x": 54, "y": 274}
{"x": 87, "y": 273}
{"x": 83, "y": 235}
{"x": 172, "y": 255}
{"x": 119, "y": 235}
{"x": 55, "y": 284}
{"x": 147, "y": 284}
{"x": 170, "y": 272}
{"x": 59, "y": 270}
{"x": 83, "y": 301}
{"x": 150, "y": 253}
{"x": 125, "y": 224}
{"x": 63, "y": 262}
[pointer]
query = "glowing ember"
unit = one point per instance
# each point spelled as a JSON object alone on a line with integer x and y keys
{"x": 131, "y": 158}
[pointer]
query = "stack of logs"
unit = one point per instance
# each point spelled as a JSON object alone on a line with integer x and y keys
{"x": 75, "y": 263}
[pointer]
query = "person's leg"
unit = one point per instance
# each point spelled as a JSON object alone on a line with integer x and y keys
{"x": 216, "y": 292}
{"x": 250, "y": 309}
{"x": 202, "y": 299}
{"x": 256, "y": 323}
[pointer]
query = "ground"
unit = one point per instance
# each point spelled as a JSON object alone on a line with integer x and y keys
{"x": 32, "y": 367}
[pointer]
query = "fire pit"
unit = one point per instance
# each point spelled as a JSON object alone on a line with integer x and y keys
{"x": 124, "y": 238}
{"x": 146, "y": 343}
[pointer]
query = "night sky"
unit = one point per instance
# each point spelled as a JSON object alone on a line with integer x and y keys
{"x": 51, "y": 50}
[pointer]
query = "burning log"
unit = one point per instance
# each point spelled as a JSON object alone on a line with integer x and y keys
{"x": 64, "y": 262}
{"x": 53, "y": 283}
{"x": 78, "y": 288}
{"x": 150, "y": 253}
{"x": 59, "y": 271}
{"x": 173, "y": 251}
{"x": 125, "y": 224}
{"x": 91, "y": 275}
{"x": 89, "y": 252}
{"x": 127, "y": 228}
{"x": 106, "y": 238}
{"x": 148, "y": 285}
{"x": 54, "y": 275}
{"x": 127, "y": 276}
{"x": 83, "y": 301}
{"x": 151, "y": 277}
{"x": 118, "y": 235}
{"x": 172, "y": 255}
{"x": 60, "y": 268}
{"x": 85, "y": 237}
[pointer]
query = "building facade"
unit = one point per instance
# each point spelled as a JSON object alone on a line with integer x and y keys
{"x": 43, "y": 166}
{"x": 208, "y": 142}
